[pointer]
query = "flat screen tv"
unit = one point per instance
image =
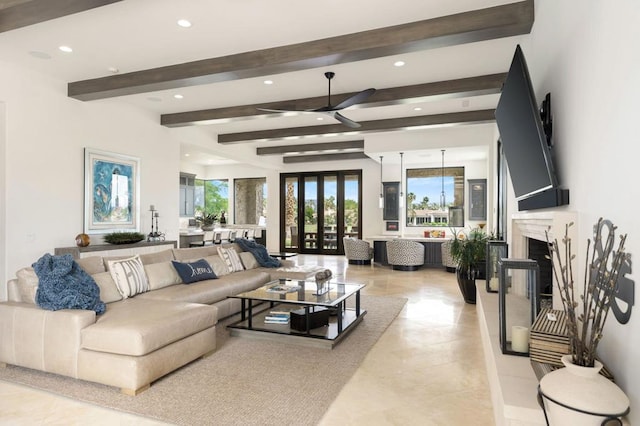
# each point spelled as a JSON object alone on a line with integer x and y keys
{"x": 525, "y": 145}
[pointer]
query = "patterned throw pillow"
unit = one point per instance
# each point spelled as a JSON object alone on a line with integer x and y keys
{"x": 230, "y": 256}
{"x": 192, "y": 272}
{"x": 129, "y": 276}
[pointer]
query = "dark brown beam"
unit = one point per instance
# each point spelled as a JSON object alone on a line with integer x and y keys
{"x": 478, "y": 116}
{"x": 478, "y": 25}
{"x": 274, "y": 150}
{"x": 472, "y": 86}
{"x": 36, "y": 11}
{"x": 324, "y": 157}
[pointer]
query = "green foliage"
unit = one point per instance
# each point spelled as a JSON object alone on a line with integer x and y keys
{"x": 469, "y": 251}
{"x": 123, "y": 237}
{"x": 207, "y": 219}
{"x": 215, "y": 198}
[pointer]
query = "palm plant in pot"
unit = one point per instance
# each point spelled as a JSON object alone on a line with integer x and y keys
{"x": 468, "y": 253}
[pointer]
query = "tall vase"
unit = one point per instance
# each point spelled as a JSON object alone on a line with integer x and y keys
{"x": 578, "y": 395}
{"x": 467, "y": 286}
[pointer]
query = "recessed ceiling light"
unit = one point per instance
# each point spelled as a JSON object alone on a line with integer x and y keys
{"x": 184, "y": 23}
{"x": 417, "y": 109}
{"x": 113, "y": 70}
{"x": 186, "y": 155}
{"x": 178, "y": 96}
{"x": 319, "y": 118}
{"x": 39, "y": 55}
{"x": 268, "y": 82}
{"x": 398, "y": 64}
{"x": 65, "y": 49}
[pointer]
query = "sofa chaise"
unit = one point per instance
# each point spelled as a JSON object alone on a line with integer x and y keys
{"x": 139, "y": 338}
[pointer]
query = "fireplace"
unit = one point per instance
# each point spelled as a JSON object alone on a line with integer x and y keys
{"x": 529, "y": 241}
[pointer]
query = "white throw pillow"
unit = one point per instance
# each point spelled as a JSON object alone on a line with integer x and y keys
{"x": 231, "y": 258}
{"x": 248, "y": 260}
{"x": 129, "y": 276}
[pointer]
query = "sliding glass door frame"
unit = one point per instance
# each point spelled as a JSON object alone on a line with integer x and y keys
{"x": 320, "y": 240}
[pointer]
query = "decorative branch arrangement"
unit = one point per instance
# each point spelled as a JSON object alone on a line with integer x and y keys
{"x": 586, "y": 319}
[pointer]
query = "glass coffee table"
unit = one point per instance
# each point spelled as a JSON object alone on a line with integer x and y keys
{"x": 317, "y": 314}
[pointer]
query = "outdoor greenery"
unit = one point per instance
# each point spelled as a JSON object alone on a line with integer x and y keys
{"x": 215, "y": 200}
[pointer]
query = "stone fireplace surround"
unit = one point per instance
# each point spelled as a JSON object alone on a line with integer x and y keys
{"x": 512, "y": 382}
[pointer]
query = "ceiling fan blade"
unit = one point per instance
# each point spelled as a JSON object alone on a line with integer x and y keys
{"x": 344, "y": 120}
{"x": 355, "y": 99}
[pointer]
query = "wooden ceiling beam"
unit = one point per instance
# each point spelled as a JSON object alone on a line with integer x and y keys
{"x": 467, "y": 27}
{"x": 324, "y": 157}
{"x": 466, "y": 117}
{"x": 35, "y": 11}
{"x": 463, "y": 87}
{"x": 327, "y": 146}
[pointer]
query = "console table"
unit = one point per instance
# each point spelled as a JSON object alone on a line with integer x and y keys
{"x": 142, "y": 247}
{"x": 432, "y": 250}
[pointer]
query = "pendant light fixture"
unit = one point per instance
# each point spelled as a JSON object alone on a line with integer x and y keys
{"x": 443, "y": 196}
{"x": 381, "y": 200}
{"x": 401, "y": 193}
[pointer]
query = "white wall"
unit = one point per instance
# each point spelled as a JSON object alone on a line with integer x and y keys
{"x": 585, "y": 52}
{"x": 45, "y": 138}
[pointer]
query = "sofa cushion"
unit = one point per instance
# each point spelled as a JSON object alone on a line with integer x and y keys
{"x": 27, "y": 285}
{"x": 211, "y": 291}
{"x": 92, "y": 264}
{"x": 248, "y": 260}
{"x": 157, "y": 257}
{"x": 192, "y": 272}
{"x": 161, "y": 274}
{"x": 219, "y": 266}
{"x": 129, "y": 276}
{"x": 231, "y": 258}
{"x": 186, "y": 254}
{"x": 140, "y": 326}
{"x": 108, "y": 290}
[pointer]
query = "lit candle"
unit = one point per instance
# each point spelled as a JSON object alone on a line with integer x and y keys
{"x": 520, "y": 339}
{"x": 152, "y": 207}
{"x": 493, "y": 284}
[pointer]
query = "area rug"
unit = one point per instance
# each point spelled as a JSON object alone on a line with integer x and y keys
{"x": 245, "y": 382}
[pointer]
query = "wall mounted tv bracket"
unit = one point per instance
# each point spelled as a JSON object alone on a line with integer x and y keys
{"x": 546, "y": 118}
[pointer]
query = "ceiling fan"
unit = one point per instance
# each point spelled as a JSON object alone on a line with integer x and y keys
{"x": 333, "y": 110}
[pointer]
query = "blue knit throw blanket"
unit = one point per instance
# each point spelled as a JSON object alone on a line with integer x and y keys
{"x": 63, "y": 284}
{"x": 259, "y": 252}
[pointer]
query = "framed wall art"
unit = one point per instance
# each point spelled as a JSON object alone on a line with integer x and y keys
{"x": 111, "y": 192}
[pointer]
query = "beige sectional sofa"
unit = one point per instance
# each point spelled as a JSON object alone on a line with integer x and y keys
{"x": 138, "y": 339}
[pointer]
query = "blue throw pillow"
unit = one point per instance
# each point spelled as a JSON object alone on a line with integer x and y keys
{"x": 191, "y": 272}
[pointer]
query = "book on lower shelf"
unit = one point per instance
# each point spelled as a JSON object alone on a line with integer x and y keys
{"x": 277, "y": 317}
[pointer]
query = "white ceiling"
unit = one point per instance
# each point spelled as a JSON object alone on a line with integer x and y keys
{"x": 140, "y": 34}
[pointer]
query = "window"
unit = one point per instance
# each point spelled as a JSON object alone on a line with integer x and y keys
{"x": 430, "y": 193}
{"x": 211, "y": 196}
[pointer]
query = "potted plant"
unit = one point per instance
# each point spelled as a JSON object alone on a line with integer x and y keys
{"x": 468, "y": 252}
{"x": 586, "y": 309}
{"x": 207, "y": 221}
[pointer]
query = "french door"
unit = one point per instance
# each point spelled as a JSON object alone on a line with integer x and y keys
{"x": 318, "y": 209}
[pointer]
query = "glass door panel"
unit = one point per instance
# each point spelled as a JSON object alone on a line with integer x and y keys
{"x": 330, "y": 216}
{"x": 291, "y": 225}
{"x": 352, "y": 206}
{"x": 310, "y": 213}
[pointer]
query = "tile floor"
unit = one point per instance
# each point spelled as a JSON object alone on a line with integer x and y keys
{"x": 426, "y": 369}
